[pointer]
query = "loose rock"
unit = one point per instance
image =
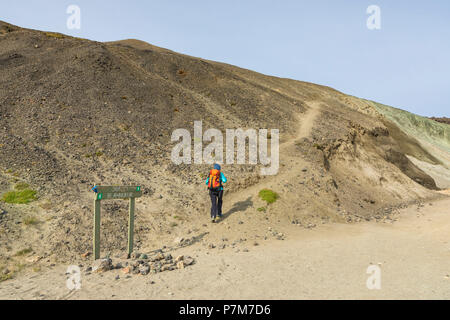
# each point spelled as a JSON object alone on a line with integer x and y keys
{"x": 178, "y": 240}
{"x": 188, "y": 261}
{"x": 135, "y": 255}
{"x": 126, "y": 270}
{"x": 144, "y": 269}
{"x": 102, "y": 265}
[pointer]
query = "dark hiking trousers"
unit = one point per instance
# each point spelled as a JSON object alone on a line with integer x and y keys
{"x": 216, "y": 203}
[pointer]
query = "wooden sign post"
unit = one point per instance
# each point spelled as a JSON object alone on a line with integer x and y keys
{"x": 110, "y": 193}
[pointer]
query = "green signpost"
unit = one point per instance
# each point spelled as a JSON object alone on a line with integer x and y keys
{"x": 110, "y": 193}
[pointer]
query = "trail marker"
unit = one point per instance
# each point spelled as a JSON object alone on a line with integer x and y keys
{"x": 110, "y": 193}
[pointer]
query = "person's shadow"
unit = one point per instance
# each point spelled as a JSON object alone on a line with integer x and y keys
{"x": 238, "y": 207}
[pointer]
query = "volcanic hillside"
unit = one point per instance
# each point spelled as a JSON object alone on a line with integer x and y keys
{"x": 75, "y": 112}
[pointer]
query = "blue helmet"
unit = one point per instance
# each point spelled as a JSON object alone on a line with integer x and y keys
{"x": 217, "y": 166}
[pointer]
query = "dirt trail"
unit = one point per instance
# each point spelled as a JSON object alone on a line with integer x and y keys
{"x": 326, "y": 263}
{"x": 306, "y": 122}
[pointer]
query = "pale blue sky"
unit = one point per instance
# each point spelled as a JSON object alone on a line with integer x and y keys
{"x": 406, "y": 64}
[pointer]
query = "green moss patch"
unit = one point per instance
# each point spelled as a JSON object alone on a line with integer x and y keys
{"x": 23, "y": 252}
{"x": 19, "y": 196}
{"x": 268, "y": 195}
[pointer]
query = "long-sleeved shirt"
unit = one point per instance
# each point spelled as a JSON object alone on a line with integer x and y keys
{"x": 223, "y": 179}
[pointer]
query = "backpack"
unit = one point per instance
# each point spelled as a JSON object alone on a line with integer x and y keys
{"x": 215, "y": 181}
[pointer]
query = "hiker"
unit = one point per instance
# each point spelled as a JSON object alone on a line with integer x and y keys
{"x": 215, "y": 183}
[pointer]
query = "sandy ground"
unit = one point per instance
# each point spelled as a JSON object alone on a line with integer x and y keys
{"x": 329, "y": 262}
